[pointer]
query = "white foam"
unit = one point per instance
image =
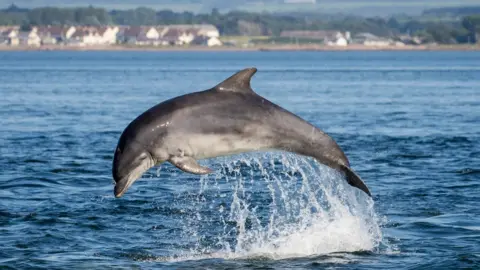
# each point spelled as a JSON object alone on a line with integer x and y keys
{"x": 311, "y": 211}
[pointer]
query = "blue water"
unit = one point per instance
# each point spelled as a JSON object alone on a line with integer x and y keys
{"x": 408, "y": 121}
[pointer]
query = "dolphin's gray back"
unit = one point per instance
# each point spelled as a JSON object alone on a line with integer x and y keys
{"x": 252, "y": 117}
{"x": 238, "y": 122}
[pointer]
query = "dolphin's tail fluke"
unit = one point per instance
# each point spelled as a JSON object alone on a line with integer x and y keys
{"x": 354, "y": 180}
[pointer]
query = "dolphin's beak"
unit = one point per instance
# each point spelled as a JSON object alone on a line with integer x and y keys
{"x": 122, "y": 185}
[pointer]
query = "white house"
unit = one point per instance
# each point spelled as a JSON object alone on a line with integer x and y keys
{"x": 9, "y": 35}
{"x": 214, "y": 41}
{"x": 338, "y": 39}
{"x": 108, "y": 34}
{"x": 49, "y": 34}
{"x": 186, "y": 37}
{"x": 68, "y": 31}
{"x": 329, "y": 37}
{"x": 369, "y": 39}
{"x": 208, "y": 30}
{"x": 29, "y": 38}
{"x": 54, "y": 34}
{"x": 171, "y": 36}
{"x": 140, "y": 35}
{"x": 162, "y": 30}
{"x": 178, "y": 34}
{"x": 207, "y": 41}
{"x": 85, "y": 36}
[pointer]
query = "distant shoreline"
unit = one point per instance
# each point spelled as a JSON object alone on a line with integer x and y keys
{"x": 474, "y": 47}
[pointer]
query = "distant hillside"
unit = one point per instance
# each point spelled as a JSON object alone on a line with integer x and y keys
{"x": 453, "y": 11}
{"x": 357, "y": 7}
{"x": 461, "y": 29}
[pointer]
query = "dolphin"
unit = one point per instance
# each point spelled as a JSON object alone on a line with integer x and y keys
{"x": 227, "y": 119}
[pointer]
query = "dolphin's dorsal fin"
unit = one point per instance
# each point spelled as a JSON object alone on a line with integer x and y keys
{"x": 238, "y": 82}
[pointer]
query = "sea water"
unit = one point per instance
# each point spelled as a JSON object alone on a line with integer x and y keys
{"x": 408, "y": 122}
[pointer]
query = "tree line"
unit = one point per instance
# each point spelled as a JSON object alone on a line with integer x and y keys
{"x": 253, "y": 24}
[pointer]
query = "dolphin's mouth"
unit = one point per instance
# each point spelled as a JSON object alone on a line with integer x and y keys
{"x": 122, "y": 186}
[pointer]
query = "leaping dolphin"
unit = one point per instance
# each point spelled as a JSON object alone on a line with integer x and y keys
{"x": 227, "y": 119}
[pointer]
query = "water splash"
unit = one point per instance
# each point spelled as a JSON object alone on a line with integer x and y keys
{"x": 278, "y": 206}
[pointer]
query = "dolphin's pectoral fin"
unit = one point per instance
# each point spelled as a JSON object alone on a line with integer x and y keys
{"x": 354, "y": 180}
{"x": 190, "y": 165}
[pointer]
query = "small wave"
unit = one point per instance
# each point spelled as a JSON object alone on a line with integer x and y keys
{"x": 78, "y": 170}
{"x": 412, "y": 156}
{"x": 33, "y": 160}
{"x": 453, "y": 224}
{"x": 468, "y": 171}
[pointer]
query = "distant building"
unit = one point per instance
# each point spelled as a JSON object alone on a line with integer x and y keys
{"x": 168, "y": 41}
{"x": 172, "y": 36}
{"x": 9, "y": 36}
{"x": 333, "y": 38}
{"x": 162, "y": 30}
{"x": 179, "y": 36}
{"x": 139, "y": 35}
{"x": 187, "y": 36}
{"x": 165, "y": 35}
{"x": 207, "y": 41}
{"x": 410, "y": 40}
{"x": 85, "y": 36}
{"x": 108, "y": 34}
{"x": 339, "y": 39}
{"x": 29, "y": 38}
{"x": 50, "y": 34}
{"x": 208, "y": 30}
{"x": 3, "y": 40}
{"x": 369, "y": 39}
{"x": 54, "y": 34}
{"x": 214, "y": 41}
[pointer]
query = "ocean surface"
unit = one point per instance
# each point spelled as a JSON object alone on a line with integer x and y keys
{"x": 409, "y": 123}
